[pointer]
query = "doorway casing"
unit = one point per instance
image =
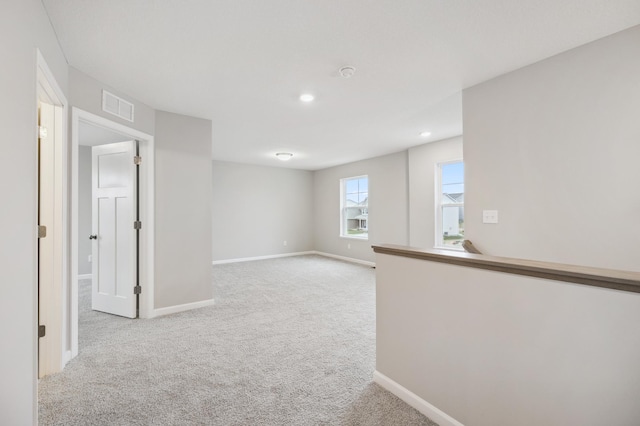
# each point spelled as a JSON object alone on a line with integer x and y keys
{"x": 147, "y": 185}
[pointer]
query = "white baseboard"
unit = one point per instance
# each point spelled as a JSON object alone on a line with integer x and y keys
{"x": 300, "y": 253}
{"x": 85, "y": 276}
{"x": 249, "y": 259}
{"x": 346, "y": 259}
{"x": 438, "y": 416}
{"x": 66, "y": 357}
{"x": 181, "y": 308}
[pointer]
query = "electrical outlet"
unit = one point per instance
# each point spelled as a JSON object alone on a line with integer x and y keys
{"x": 490, "y": 216}
{"x": 349, "y": 245}
{"x": 285, "y": 243}
{"x": 89, "y": 258}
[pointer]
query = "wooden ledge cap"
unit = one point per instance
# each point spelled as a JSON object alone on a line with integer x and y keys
{"x": 597, "y": 277}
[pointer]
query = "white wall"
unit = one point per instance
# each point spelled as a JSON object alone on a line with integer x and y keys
{"x": 423, "y": 161}
{"x": 388, "y": 205}
{"x": 554, "y": 147}
{"x": 182, "y": 193}
{"x": 256, "y": 209}
{"x": 84, "y": 209}
{"x": 490, "y": 348}
{"x": 24, "y": 26}
{"x": 86, "y": 94}
{"x": 182, "y": 210}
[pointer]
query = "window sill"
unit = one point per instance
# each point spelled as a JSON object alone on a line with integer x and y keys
{"x": 349, "y": 237}
{"x": 449, "y": 248}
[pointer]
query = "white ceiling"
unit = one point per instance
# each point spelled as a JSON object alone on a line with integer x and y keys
{"x": 243, "y": 63}
{"x": 90, "y": 135}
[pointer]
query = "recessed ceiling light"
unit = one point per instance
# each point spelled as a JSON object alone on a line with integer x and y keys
{"x": 284, "y": 156}
{"x": 307, "y": 97}
{"x": 425, "y": 134}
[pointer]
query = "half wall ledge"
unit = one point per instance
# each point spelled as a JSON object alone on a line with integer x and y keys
{"x": 597, "y": 277}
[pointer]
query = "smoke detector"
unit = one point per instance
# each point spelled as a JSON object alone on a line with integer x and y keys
{"x": 347, "y": 72}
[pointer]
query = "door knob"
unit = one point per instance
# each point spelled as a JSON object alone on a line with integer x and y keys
{"x": 93, "y": 237}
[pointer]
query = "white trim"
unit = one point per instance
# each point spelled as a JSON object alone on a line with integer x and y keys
{"x": 346, "y": 259}
{"x": 85, "y": 276}
{"x": 343, "y": 207}
{"x": 436, "y": 415}
{"x": 147, "y": 151}
{"x": 54, "y": 87}
{"x": 354, "y": 237}
{"x": 300, "y": 253}
{"x": 181, "y": 308}
{"x": 455, "y": 249}
{"x": 251, "y": 259}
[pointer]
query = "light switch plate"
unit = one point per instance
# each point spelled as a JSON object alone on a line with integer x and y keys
{"x": 490, "y": 216}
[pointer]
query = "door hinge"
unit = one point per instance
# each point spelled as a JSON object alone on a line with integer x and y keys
{"x": 42, "y": 330}
{"x": 137, "y": 160}
{"x": 137, "y": 225}
{"x": 137, "y": 290}
{"x": 42, "y": 231}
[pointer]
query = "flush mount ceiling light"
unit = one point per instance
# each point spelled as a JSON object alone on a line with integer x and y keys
{"x": 425, "y": 134}
{"x": 347, "y": 71}
{"x": 307, "y": 97}
{"x": 284, "y": 156}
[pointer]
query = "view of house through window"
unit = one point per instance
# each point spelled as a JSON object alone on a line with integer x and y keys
{"x": 355, "y": 207}
{"x": 450, "y": 220}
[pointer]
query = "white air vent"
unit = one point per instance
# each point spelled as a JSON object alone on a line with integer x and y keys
{"x": 117, "y": 106}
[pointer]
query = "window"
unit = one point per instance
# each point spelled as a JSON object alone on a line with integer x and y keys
{"x": 354, "y": 212}
{"x": 450, "y": 205}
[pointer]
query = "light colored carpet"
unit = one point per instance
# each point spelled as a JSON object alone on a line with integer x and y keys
{"x": 289, "y": 341}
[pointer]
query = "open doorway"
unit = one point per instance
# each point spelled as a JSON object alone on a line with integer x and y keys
{"x": 112, "y": 193}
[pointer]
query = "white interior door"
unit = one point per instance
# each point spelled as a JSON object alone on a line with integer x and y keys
{"x": 114, "y": 236}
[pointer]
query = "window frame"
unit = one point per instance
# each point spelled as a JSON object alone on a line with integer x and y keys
{"x": 343, "y": 208}
{"x": 439, "y": 206}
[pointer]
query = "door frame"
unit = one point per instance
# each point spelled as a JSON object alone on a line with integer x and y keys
{"x": 147, "y": 213}
{"x": 48, "y": 87}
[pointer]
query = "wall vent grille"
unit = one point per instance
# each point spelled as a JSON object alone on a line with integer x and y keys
{"x": 117, "y": 106}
